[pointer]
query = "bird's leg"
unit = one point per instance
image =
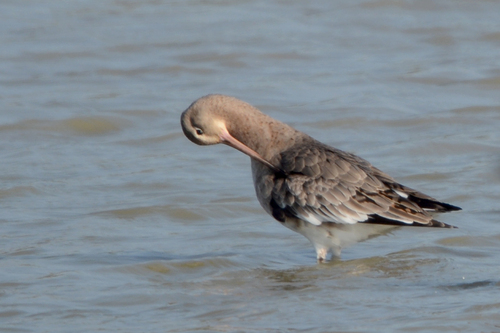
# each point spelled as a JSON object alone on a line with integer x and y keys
{"x": 321, "y": 254}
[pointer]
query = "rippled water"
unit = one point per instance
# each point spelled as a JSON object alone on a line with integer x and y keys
{"x": 113, "y": 221}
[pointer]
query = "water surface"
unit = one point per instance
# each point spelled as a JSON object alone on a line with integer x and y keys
{"x": 113, "y": 221}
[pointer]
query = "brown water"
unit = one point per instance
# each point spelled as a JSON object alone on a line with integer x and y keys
{"x": 112, "y": 221}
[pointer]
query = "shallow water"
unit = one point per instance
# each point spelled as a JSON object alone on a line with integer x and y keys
{"x": 113, "y": 221}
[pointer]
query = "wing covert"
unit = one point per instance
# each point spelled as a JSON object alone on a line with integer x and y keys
{"x": 324, "y": 184}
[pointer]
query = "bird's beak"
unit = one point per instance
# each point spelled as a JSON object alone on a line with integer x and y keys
{"x": 229, "y": 140}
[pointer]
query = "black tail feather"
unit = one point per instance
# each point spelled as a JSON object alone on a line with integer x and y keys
{"x": 375, "y": 219}
{"x": 436, "y": 206}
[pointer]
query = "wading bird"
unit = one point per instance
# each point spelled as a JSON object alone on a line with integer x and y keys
{"x": 332, "y": 197}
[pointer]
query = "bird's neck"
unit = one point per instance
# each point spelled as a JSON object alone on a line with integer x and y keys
{"x": 263, "y": 134}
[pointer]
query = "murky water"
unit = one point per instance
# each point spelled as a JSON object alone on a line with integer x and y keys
{"x": 113, "y": 221}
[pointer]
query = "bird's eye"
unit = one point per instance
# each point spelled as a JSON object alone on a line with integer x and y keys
{"x": 199, "y": 131}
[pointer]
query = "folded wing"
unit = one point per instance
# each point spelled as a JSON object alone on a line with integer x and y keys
{"x": 323, "y": 184}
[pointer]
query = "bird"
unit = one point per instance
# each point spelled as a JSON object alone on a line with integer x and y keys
{"x": 332, "y": 197}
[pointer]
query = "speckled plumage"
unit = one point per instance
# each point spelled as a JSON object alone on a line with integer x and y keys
{"x": 332, "y": 197}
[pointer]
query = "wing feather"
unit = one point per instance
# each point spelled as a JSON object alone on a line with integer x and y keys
{"x": 324, "y": 184}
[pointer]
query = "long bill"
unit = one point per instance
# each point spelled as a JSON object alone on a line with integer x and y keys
{"x": 231, "y": 141}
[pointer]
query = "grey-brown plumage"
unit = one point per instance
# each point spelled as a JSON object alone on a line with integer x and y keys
{"x": 332, "y": 197}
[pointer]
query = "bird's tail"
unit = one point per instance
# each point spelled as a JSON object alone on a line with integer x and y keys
{"x": 432, "y": 205}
